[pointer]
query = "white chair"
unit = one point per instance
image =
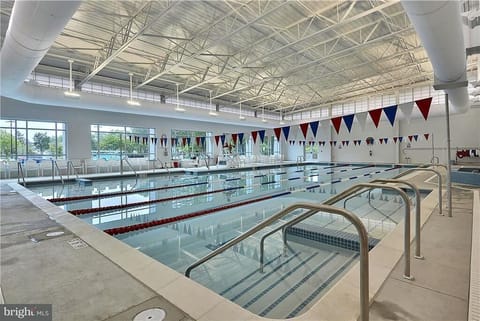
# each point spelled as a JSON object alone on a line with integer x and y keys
{"x": 4, "y": 169}
{"x": 31, "y": 166}
{"x": 102, "y": 166}
{"x": 91, "y": 166}
{"x": 62, "y": 167}
{"x": 46, "y": 167}
{"x": 78, "y": 166}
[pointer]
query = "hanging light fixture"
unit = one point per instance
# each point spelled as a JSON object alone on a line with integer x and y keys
{"x": 241, "y": 117}
{"x": 131, "y": 101}
{"x": 178, "y": 108}
{"x": 212, "y": 111}
{"x": 281, "y": 118}
{"x": 70, "y": 92}
{"x": 263, "y": 114}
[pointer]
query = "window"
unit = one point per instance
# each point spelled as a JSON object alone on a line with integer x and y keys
{"x": 114, "y": 142}
{"x": 20, "y": 139}
{"x": 188, "y": 144}
{"x": 270, "y": 146}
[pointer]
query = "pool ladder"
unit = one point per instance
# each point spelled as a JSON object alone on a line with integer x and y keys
{"x": 326, "y": 206}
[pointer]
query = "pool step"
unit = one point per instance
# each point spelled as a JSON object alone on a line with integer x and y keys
{"x": 306, "y": 233}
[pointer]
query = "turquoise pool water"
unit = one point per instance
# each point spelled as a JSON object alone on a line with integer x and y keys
{"x": 290, "y": 284}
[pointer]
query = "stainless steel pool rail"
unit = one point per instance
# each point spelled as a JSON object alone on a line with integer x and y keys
{"x": 369, "y": 197}
{"x": 71, "y": 166}
{"x": 418, "y": 200}
{"x": 350, "y": 191}
{"x": 21, "y": 173}
{"x": 439, "y": 176}
{"x": 363, "y": 237}
{"x": 56, "y": 169}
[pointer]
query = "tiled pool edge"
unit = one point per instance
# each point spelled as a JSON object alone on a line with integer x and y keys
{"x": 202, "y": 303}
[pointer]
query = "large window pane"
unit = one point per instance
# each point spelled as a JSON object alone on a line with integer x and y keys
{"x": 22, "y": 139}
{"x": 114, "y": 142}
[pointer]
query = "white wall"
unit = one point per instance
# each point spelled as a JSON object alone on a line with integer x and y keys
{"x": 465, "y": 132}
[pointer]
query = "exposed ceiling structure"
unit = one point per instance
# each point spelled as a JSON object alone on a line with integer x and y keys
{"x": 283, "y": 56}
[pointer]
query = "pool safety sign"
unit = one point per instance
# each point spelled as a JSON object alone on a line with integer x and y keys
{"x": 26, "y": 312}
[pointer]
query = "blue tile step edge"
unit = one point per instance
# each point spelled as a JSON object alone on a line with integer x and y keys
{"x": 328, "y": 236}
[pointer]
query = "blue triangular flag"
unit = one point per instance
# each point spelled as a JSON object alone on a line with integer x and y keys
{"x": 222, "y": 139}
{"x": 348, "y": 119}
{"x": 400, "y": 138}
{"x": 261, "y": 133}
{"x": 391, "y": 112}
{"x": 314, "y": 127}
{"x": 202, "y": 139}
{"x": 286, "y": 131}
{"x": 240, "y": 137}
{"x": 416, "y": 137}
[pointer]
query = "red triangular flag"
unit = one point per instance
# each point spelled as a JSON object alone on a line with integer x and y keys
{"x": 395, "y": 139}
{"x": 375, "y": 115}
{"x": 304, "y": 128}
{"x": 426, "y": 136}
{"x": 254, "y": 136}
{"x": 198, "y": 140}
{"x": 234, "y": 138}
{"x": 410, "y": 137}
{"x": 217, "y": 139}
{"x": 278, "y": 132}
{"x": 337, "y": 121}
{"x": 424, "y": 106}
{"x": 381, "y": 140}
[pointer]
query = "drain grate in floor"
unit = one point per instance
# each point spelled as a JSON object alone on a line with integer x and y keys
{"x": 77, "y": 243}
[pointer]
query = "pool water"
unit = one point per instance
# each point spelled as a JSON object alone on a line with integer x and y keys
{"x": 290, "y": 283}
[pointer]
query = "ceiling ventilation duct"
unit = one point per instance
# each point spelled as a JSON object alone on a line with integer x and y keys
{"x": 32, "y": 29}
{"x": 439, "y": 26}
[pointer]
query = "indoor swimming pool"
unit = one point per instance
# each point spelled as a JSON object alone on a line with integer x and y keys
{"x": 179, "y": 219}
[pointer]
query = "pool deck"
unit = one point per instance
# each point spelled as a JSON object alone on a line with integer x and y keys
{"x": 88, "y": 275}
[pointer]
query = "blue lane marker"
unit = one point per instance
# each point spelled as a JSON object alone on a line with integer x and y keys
{"x": 335, "y": 182}
{"x": 367, "y": 174}
{"x": 266, "y": 183}
{"x": 353, "y": 177}
{"x": 330, "y": 172}
{"x": 292, "y": 178}
{"x": 343, "y": 170}
{"x": 232, "y": 179}
{"x": 281, "y": 194}
{"x": 314, "y": 186}
{"x": 259, "y": 176}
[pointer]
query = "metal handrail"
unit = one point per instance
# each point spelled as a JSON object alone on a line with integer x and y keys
{"x": 418, "y": 199}
{"x": 57, "y": 169}
{"x": 129, "y": 165}
{"x": 440, "y": 202}
{"x": 369, "y": 203}
{"x": 352, "y": 190}
{"x": 20, "y": 171}
{"x": 363, "y": 236}
{"x": 71, "y": 166}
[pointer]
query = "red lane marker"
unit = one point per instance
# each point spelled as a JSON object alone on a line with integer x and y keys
{"x": 130, "y": 228}
{"x": 137, "y": 204}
